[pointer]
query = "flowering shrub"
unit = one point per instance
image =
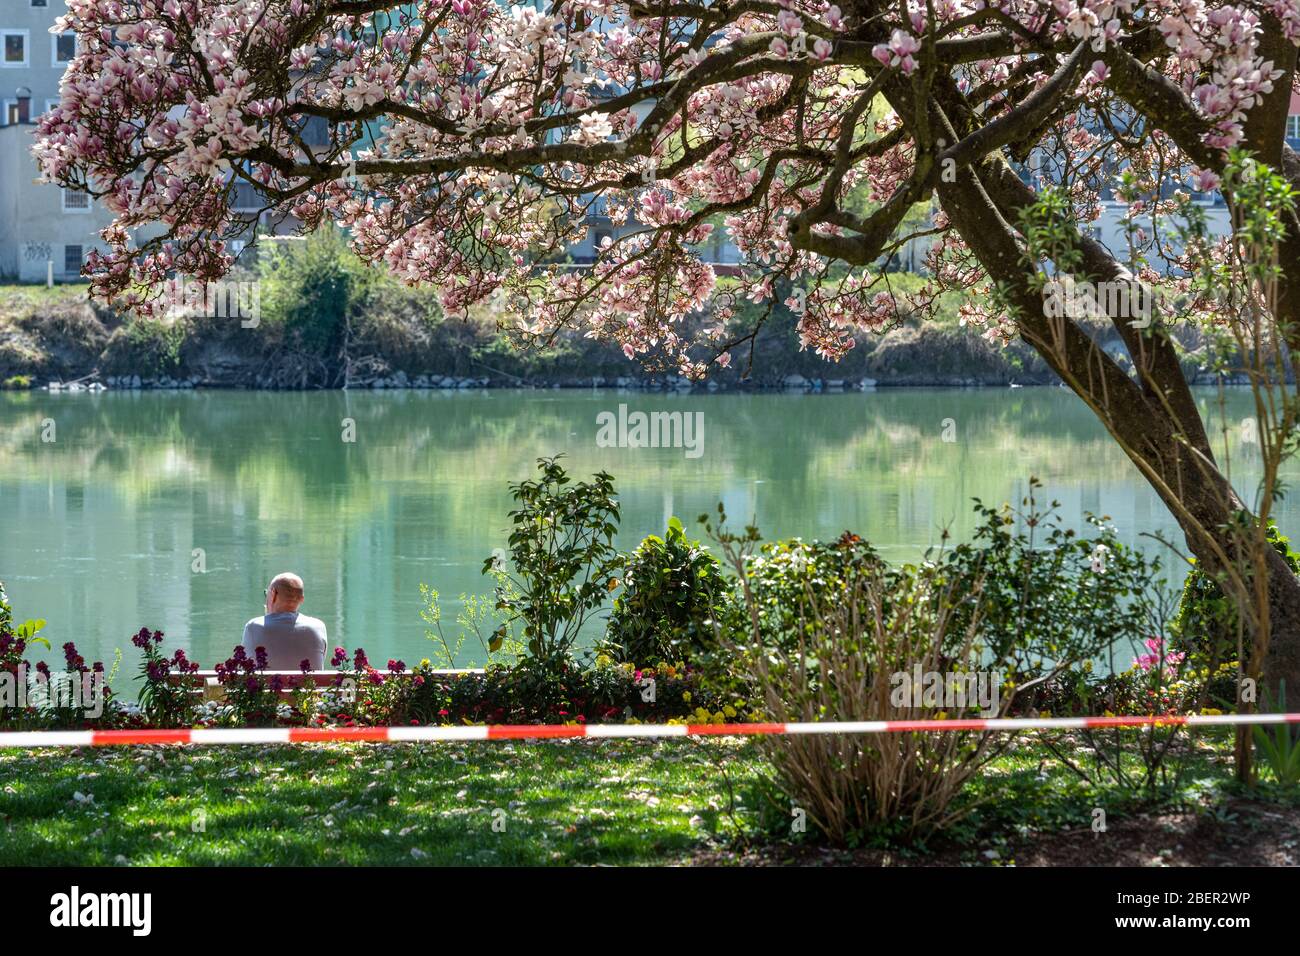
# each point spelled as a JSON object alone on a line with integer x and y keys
{"x": 523, "y": 693}
{"x": 162, "y": 702}
{"x": 363, "y": 694}
{"x": 42, "y": 699}
{"x": 252, "y": 699}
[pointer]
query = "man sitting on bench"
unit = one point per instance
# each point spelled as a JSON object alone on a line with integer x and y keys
{"x": 289, "y": 637}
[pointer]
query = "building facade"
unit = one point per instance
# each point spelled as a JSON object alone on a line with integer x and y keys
{"x": 45, "y": 231}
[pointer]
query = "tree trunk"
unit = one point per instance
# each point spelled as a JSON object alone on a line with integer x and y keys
{"x": 1282, "y": 662}
{"x": 1148, "y": 417}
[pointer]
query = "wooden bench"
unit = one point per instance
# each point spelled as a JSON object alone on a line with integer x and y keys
{"x": 211, "y": 688}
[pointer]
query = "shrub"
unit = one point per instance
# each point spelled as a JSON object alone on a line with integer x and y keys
{"x": 150, "y": 348}
{"x": 563, "y": 557}
{"x": 782, "y": 585}
{"x": 310, "y": 289}
{"x": 672, "y": 590}
{"x": 1206, "y": 622}
{"x": 1046, "y": 593}
{"x": 16, "y": 383}
{"x": 849, "y": 647}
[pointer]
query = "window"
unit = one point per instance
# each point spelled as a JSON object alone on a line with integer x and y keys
{"x": 74, "y": 201}
{"x": 63, "y": 47}
{"x": 1293, "y": 126}
{"x": 72, "y": 259}
{"x": 246, "y": 198}
{"x": 316, "y": 131}
{"x": 15, "y": 48}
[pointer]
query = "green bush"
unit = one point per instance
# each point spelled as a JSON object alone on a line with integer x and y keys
{"x": 17, "y": 383}
{"x": 310, "y": 288}
{"x": 563, "y": 563}
{"x": 1047, "y": 593}
{"x": 1206, "y": 623}
{"x": 786, "y": 580}
{"x": 150, "y": 348}
{"x": 672, "y": 588}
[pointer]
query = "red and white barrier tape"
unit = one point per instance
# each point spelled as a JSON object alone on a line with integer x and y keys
{"x": 303, "y": 735}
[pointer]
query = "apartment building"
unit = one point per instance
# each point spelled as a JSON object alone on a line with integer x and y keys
{"x": 45, "y": 231}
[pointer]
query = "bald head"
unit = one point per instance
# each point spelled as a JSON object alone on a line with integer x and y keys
{"x": 285, "y": 593}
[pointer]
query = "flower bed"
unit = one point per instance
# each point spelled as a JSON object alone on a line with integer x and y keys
{"x": 361, "y": 694}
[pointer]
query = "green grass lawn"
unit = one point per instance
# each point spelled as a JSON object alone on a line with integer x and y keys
{"x": 543, "y": 803}
{"x": 553, "y": 802}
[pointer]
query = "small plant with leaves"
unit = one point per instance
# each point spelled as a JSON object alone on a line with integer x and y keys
{"x": 1279, "y": 745}
{"x": 563, "y": 563}
{"x": 476, "y": 617}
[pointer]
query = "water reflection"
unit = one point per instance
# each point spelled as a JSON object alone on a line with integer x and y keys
{"x": 101, "y": 525}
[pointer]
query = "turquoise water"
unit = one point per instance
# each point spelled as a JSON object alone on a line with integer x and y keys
{"x": 100, "y": 526}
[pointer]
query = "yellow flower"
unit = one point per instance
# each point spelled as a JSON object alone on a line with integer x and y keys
{"x": 729, "y": 710}
{"x": 686, "y": 696}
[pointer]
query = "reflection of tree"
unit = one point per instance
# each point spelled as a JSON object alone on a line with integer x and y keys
{"x": 289, "y": 445}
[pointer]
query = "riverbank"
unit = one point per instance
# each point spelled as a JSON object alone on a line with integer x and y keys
{"x": 399, "y": 338}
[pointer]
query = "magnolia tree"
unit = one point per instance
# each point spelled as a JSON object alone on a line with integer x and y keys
{"x": 468, "y": 140}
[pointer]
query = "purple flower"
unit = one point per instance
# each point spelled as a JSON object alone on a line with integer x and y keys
{"x": 75, "y": 661}
{"x": 340, "y": 655}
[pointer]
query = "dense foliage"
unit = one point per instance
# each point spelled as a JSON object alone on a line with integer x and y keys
{"x": 672, "y": 592}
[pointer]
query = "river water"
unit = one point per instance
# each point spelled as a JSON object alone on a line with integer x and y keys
{"x": 99, "y": 527}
